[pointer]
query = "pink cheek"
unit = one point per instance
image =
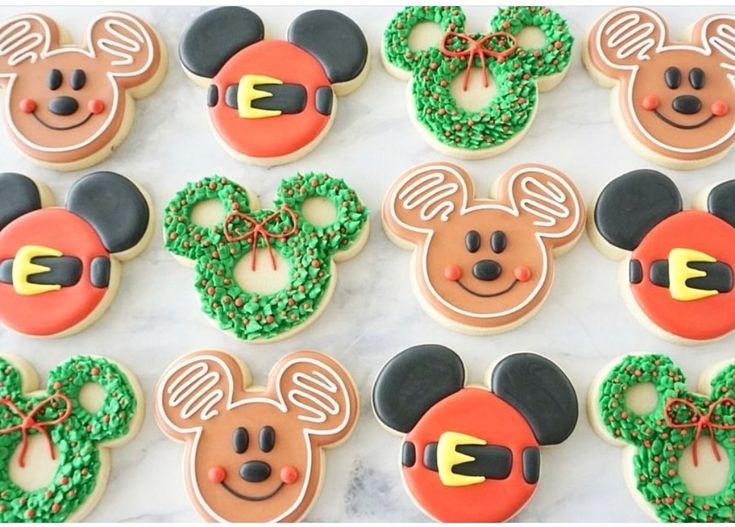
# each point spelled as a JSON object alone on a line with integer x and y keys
{"x": 217, "y": 474}
{"x": 720, "y": 108}
{"x": 453, "y": 272}
{"x": 27, "y": 106}
{"x": 522, "y": 273}
{"x": 650, "y": 102}
{"x": 95, "y": 106}
{"x": 289, "y": 474}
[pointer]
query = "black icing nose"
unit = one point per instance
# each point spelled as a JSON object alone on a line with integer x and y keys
{"x": 63, "y": 105}
{"x": 255, "y": 471}
{"x": 486, "y": 270}
{"x": 687, "y": 104}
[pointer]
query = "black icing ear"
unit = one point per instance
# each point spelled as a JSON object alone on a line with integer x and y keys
{"x": 721, "y": 201}
{"x": 537, "y": 388}
{"x": 114, "y": 206}
{"x": 412, "y": 382}
{"x": 217, "y": 35}
{"x": 18, "y": 195}
{"x": 334, "y": 39}
{"x": 632, "y": 204}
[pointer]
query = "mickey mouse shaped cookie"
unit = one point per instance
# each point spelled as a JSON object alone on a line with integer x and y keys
{"x": 471, "y": 453}
{"x": 673, "y": 102}
{"x": 483, "y": 265}
{"x": 475, "y": 95}
{"x": 60, "y": 266}
{"x": 678, "y": 264}
{"x": 271, "y": 101}
{"x": 68, "y": 107}
{"x": 54, "y": 442}
{"x": 679, "y": 444}
{"x": 255, "y": 455}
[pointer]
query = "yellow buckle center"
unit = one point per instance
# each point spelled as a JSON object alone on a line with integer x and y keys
{"x": 247, "y": 93}
{"x": 23, "y": 268}
{"x": 447, "y": 458}
{"x": 680, "y": 272}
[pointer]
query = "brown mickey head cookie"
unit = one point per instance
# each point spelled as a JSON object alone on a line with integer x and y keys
{"x": 675, "y": 101}
{"x": 255, "y": 455}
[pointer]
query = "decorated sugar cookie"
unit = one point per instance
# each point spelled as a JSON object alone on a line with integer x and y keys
{"x": 54, "y": 442}
{"x": 255, "y": 455}
{"x": 271, "y": 101}
{"x": 452, "y": 73}
{"x": 679, "y": 444}
{"x": 483, "y": 265}
{"x": 678, "y": 274}
{"x": 672, "y": 101}
{"x": 264, "y": 274}
{"x": 60, "y": 266}
{"x": 69, "y": 106}
{"x": 471, "y": 453}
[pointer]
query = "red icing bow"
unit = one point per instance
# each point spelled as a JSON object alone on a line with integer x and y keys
{"x": 258, "y": 228}
{"x": 477, "y": 48}
{"x": 699, "y": 421}
{"x": 29, "y": 422}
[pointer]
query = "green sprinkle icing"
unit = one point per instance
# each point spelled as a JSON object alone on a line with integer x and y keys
{"x": 659, "y": 445}
{"x": 307, "y": 248}
{"x": 512, "y": 108}
{"x": 75, "y": 439}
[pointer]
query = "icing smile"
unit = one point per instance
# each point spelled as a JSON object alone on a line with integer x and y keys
{"x": 683, "y": 126}
{"x": 252, "y": 498}
{"x": 489, "y": 295}
{"x": 62, "y": 128}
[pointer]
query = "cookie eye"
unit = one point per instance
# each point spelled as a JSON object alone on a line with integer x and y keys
{"x": 672, "y": 77}
{"x": 240, "y": 440}
{"x": 54, "y": 79}
{"x": 267, "y": 438}
{"x": 472, "y": 241}
{"x": 696, "y": 78}
{"x": 498, "y": 241}
{"x": 78, "y": 79}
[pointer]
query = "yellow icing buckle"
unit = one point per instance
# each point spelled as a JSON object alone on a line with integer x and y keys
{"x": 23, "y": 268}
{"x": 680, "y": 272}
{"x": 247, "y": 93}
{"x": 447, "y": 458}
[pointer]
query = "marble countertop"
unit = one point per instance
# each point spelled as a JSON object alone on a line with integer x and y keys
{"x": 373, "y": 314}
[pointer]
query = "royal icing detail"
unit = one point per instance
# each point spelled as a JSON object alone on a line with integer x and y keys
{"x": 308, "y": 250}
{"x": 59, "y": 264}
{"x": 471, "y": 453}
{"x": 675, "y": 100}
{"x": 681, "y": 423}
{"x": 484, "y": 264}
{"x": 516, "y": 72}
{"x": 64, "y": 104}
{"x": 255, "y": 455}
{"x": 270, "y": 99}
{"x": 73, "y": 437}
{"x": 680, "y": 262}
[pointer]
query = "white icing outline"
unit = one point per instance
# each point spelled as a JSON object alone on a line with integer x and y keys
{"x": 231, "y": 405}
{"x": 481, "y": 205}
{"x": 705, "y": 50}
{"x": 88, "y": 51}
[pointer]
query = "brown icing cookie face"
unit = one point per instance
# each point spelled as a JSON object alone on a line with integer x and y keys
{"x": 483, "y": 265}
{"x": 254, "y": 456}
{"x": 676, "y": 100}
{"x": 65, "y": 104}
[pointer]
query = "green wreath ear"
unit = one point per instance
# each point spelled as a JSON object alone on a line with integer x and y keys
{"x": 396, "y": 49}
{"x": 616, "y": 415}
{"x": 11, "y": 381}
{"x": 182, "y": 236}
{"x": 350, "y": 216}
{"x": 723, "y": 383}
{"x": 551, "y": 58}
{"x": 114, "y": 416}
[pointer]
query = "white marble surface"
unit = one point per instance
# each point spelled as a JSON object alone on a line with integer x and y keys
{"x": 373, "y": 314}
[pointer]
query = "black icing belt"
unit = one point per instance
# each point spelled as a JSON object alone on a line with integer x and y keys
{"x": 719, "y": 275}
{"x": 65, "y": 271}
{"x": 285, "y": 98}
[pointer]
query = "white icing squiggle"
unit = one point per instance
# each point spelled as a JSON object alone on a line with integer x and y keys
{"x": 313, "y": 396}
{"x": 545, "y": 201}
{"x": 194, "y": 387}
{"x": 429, "y": 192}
{"x": 121, "y": 46}
{"x": 20, "y": 42}
{"x": 631, "y": 37}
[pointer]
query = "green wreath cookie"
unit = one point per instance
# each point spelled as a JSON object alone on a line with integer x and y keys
{"x": 677, "y": 438}
{"x": 52, "y": 462}
{"x": 287, "y": 281}
{"x": 518, "y": 73}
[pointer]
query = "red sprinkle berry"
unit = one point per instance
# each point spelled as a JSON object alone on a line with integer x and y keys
{"x": 522, "y": 273}
{"x": 720, "y": 108}
{"x": 650, "y": 102}
{"x": 289, "y": 474}
{"x": 27, "y": 106}
{"x": 453, "y": 272}
{"x": 96, "y": 106}
{"x": 217, "y": 474}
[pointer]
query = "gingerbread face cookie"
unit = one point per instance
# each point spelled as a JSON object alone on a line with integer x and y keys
{"x": 471, "y": 453}
{"x": 679, "y": 262}
{"x": 255, "y": 455}
{"x": 680, "y": 445}
{"x": 487, "y": 122}
{"x": 54, "y": 442}
{"x": 483, "y": 265}
{"x": 263, "y": 274}
{"x": 69, "y": 107}
{"x": 673, "y": 101}
{"x": 271, "y": 101}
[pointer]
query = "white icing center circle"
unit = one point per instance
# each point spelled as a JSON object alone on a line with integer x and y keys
{"x": 208, "y": 213}
{"x": 264, "y": 280}
{"x": 39, "y": 469}
{"x": 319, "y": 211}
{"x": 710, "y": 476}
{"x": 641, "y": 398}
